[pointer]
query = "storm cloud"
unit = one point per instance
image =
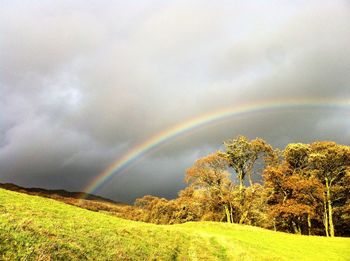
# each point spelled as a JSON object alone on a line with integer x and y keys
{"x": 82, "y": 82}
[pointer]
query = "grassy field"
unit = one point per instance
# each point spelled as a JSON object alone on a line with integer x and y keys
{"x": 35, "y": 228}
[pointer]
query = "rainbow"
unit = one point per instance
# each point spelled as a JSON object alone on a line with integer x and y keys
{"x": 201, "y": 121}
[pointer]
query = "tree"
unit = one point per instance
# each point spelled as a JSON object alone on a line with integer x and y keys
{"x": 209, "y": 176}
{"x": 296, "y": 155}
{"x": 330, "y": 162}
{"x": 243, "y": 154}
{"x": 295, "y": 194}
{"x": 189, "y": 205}
{"x": 293, "y": 198}
{"x": 342, "y": 206}
{"x": 156, "y": 210}
{"x": 252, "y": 209}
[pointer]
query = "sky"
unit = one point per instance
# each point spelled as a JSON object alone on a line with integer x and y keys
{"x": 84, "y": 82}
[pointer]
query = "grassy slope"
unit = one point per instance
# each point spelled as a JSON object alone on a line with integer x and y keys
{"x": 32, "y": 227}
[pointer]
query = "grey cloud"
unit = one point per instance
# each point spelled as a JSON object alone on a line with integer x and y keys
{"x": 82, "y": 83}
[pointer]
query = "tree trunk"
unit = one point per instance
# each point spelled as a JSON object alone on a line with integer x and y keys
{"x": 243, "y": 217}
{"x": 296, "y": 228}
{"x": 330, "y": 217}
{"x": 231, "y": 213}
{"x": 241, "y": 185}
{"x": 330, "y": 210}
{"x": 325, "y": 218}
{"x": 250, "y": 179}
{"x": 228, "y": 217}
{"x": 309, "y": 224}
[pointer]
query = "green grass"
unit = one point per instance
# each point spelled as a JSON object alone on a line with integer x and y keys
{"x": 35, "y": 228}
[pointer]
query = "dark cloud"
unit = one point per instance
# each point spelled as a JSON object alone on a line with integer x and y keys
{"x": 82, "y": 83}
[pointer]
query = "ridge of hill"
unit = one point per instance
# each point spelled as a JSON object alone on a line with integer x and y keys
{"x": 38, "y": 228}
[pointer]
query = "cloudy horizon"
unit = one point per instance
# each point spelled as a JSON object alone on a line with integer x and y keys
{"x": 84, "y": 82}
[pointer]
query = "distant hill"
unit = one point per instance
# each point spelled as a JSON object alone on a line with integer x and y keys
{"x": 37, "y": 228}
{"x": 55, "y": 192}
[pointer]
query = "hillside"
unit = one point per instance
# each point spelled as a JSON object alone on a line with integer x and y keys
{"x": 37, "y": 228}
{"x": 79, "y": 199}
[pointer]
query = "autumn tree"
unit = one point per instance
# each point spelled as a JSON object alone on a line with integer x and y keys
{"x": 307, "y": 188}
{"x": 295, "y": 194}
{"x": 252, "y": 209}
{"x": 342, "y": 207}
{"x": 209, "y": 177}
{"x": 156, "y": 210}
{"x": 330, "y": 162}
{"x": 242, "y": 155}
{"x": 190, "y": 206}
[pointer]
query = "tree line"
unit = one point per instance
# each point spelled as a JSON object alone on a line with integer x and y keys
{"x": 303, "y": 189}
